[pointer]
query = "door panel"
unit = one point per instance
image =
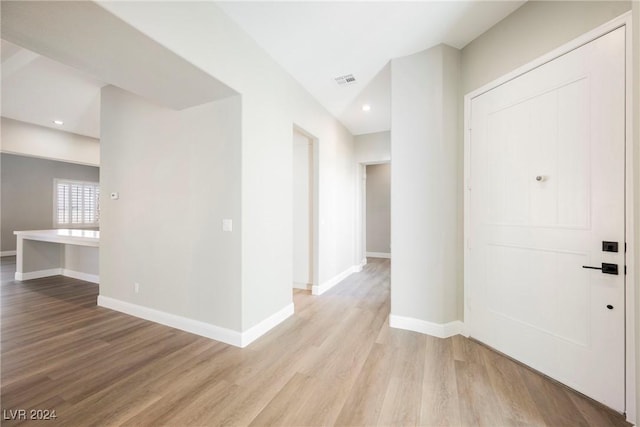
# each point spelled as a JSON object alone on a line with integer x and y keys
{"x": 547, "y": 187}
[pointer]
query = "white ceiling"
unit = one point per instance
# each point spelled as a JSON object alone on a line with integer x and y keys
{"x": 85, "y": 36}
{"x": 318, "y": 41}
{"x": 314, "y": 41}
{"x": 39, "y": 90}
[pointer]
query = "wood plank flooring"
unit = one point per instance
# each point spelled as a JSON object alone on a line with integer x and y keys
{"x": 335, "y": 362}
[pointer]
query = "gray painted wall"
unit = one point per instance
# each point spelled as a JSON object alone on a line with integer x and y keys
{"x": 27, "y": 192}
{"x": 178, "y": 175}
{"x": 379, "y": 208}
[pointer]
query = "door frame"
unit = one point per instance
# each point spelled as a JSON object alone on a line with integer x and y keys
{"x": 623, "y": 20}
{"x": 361, "y": 209}
{"x": 361, "y": 215}
{"x": 315, "y": 201}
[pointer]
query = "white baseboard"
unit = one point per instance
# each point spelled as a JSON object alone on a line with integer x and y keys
{"x": 93, "y": 278}
{"x": 358, "y": 268}
{"x": 30, "y": 275}
{"x": 255, "y": 332}
{"x": 197, "y": 327}
{"x": 305, "y": 286}
{"x": 440, "y": 330}
{"x": 379, "y": 255}
{"x": 7, "y": 253}
{"x": 228, "y": 336}
{"x": 324, "y": 287}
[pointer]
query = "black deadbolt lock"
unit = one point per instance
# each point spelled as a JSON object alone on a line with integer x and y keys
{"x": 609, "y": 246}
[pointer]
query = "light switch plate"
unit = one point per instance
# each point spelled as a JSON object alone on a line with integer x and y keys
{"x": 227, "y": 225}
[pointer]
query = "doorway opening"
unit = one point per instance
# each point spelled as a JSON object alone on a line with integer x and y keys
{"x": 377, "y": 210}
{"x": 374, "y": 211}
{"x": 305, "y": 204}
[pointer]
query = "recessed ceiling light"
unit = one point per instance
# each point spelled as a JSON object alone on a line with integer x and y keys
{"x": 58, "y": 122}
{"x": 366, "y": 107}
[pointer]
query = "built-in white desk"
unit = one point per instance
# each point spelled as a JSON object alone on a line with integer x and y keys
{"x": 67, "y": 252}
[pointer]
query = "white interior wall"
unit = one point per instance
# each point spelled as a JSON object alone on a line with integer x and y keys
{"x": 178, "y": 176}
{"x": 302, "y": 211}
{"x": 37, "y": 141}
{"x": 271, "y": 103}
{"x": 424, "y": 184}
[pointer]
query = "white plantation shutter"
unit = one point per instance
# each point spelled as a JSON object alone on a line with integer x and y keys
{"x": 76, "y": 203}
{"x": 62, "y": 205}
{"x": 90, "y": 205}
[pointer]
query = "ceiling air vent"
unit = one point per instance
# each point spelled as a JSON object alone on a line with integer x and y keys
{"x": 345, "y": 80}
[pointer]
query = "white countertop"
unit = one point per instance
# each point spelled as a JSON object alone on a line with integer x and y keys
{"x": 63, "y": 235}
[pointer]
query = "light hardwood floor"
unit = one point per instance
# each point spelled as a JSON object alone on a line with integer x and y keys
{"x": 335, "y": 362}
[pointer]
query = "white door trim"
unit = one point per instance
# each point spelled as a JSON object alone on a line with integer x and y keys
{"x": 315, "y": 202}
{"x": 621, "y": 21}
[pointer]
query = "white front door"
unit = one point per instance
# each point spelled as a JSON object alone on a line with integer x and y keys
{"x": 547, "y": 179}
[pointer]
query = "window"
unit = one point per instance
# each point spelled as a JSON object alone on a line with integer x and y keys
{"x": 76, "y": 204}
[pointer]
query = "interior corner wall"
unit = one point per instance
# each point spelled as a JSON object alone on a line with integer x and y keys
{"x": 178, "y": 176}
{"x": 424, "y": 184}
{"x": 272, "y": 104}
{"x": 27, "y": 192}
{"x": 31, "y": 140}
